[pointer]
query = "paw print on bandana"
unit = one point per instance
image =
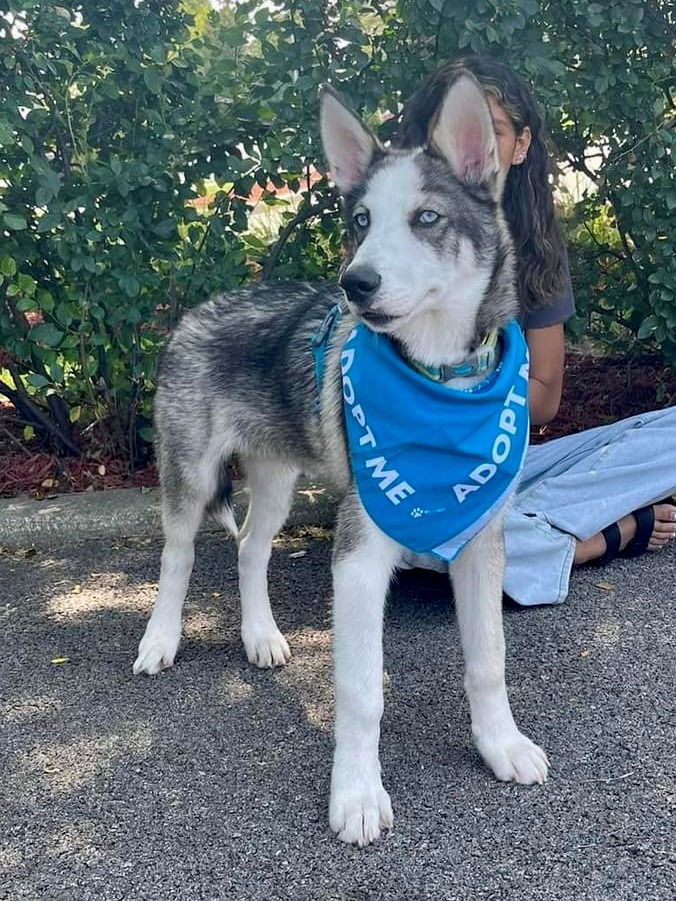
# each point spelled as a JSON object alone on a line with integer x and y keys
{"x": 417, "y": 512}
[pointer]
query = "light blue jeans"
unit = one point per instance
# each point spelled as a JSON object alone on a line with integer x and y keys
{"x": 573, "y": 487}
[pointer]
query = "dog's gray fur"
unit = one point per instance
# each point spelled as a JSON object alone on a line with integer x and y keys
{"x": 237, "y": 377}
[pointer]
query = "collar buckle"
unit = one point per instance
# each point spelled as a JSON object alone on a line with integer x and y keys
{"x": 479, "y": 361}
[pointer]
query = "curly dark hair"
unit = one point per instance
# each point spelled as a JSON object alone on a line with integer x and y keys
{"x": 527, "y": 200}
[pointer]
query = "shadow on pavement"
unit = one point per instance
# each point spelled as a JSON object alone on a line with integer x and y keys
{"x": 211, "y": 780}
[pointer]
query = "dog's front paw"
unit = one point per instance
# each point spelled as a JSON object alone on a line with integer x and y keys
{"x": 157, "y": 649}
{"x": 265, "y": 648}
{"x": 358, "y": 813}
{"x": 515, "y": 758}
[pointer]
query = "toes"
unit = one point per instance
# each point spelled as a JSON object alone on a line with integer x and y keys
{"x": 662, "y": 528}
{"x": 150, "y": 664}
{"x": 665, "y": 514}
{"x": 530, "y": 765}
{"x": 157, "y": 649}
{"x": 362, "y": 826}
{"x": 155, "y": 653}
{"x": 267, "y": 651}
{"x": 516, "y": 760}
{"x": 358, "y": 818}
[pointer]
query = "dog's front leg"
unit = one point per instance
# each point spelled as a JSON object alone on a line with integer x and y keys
{"x": 477, "y": 581}
{"x": 363, "y": 560}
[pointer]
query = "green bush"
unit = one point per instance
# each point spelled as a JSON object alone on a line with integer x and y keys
{"x": 132, "y": 135}
{"x": 108, "y": 129}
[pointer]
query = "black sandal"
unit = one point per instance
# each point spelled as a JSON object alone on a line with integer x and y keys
{"x": 613, "y": 538}
{"x": 645, "y": 522}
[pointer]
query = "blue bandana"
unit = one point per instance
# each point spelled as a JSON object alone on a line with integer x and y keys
{"x": 432, "y": 464}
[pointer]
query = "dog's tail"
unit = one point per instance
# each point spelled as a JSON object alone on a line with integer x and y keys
{"x": 221, "y": 506}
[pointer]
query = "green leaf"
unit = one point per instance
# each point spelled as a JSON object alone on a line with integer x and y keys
{"x": 6, "y": 133}
{"x": 45, "y": 300}
{"x": 48, "y": 222}
{"x": 15, "y": 222}
{"x": 152, "y": 81}
{"x": 46, "y": 333}
{"x": 648, "y": 326}
{"x": 27, "y": 284}
{"x": 37, "y": 381}
{"x": 130, "y": 285}
{"x": 7, "y": 266}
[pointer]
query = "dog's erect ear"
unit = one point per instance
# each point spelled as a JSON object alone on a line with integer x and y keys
{"x": 348, "y": 144}
{"x": 463, "y": 133}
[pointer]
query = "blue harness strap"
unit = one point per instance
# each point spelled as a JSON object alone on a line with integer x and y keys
{"x": 320, "y": 342}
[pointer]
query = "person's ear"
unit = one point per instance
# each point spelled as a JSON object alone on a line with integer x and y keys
{"x": 521, "y": 147}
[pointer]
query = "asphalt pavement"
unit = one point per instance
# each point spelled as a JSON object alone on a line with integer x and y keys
{"x": 211, "y": 780}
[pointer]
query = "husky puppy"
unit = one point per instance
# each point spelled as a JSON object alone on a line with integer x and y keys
{"x": 432, "y": 268}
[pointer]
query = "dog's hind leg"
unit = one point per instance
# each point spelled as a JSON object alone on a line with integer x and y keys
{"x": 184, "y": 499}
{"x": 477, "y": 577}
{"x": 270, "y": 484}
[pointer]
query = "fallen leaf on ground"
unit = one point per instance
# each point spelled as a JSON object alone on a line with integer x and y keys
{"x": 297, "y": 554}
{"x": 606, "y": 586}
{"x": 58, "y": 660}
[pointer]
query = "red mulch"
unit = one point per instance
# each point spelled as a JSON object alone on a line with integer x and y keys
{"x": 42, "y": 474}
{"x": 599, "y": 390}
{"x": 596, "y": 391}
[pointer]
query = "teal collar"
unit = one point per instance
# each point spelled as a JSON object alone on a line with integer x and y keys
{"x": 479, "y": 361}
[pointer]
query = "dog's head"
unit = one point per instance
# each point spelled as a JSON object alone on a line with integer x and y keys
{"x": 432, "y": 263}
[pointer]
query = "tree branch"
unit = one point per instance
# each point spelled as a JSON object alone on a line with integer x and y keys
{"x": 32, "y": 412}
{"x": 302, "y": 216}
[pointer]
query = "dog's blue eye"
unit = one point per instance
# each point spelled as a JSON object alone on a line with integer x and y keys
{"x": 428, "y": 217}
{"x": 361, "y": 220}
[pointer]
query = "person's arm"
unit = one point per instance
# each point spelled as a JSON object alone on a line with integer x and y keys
{"x": 547, "y": 355}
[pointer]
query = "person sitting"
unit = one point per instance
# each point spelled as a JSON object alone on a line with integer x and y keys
{"x": 585, "y": 497}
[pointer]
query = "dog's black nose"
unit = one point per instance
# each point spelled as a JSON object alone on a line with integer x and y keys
{"x": 360, "y": 284}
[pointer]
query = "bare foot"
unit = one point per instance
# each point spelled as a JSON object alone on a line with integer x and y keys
{"x": 663, "y": 531}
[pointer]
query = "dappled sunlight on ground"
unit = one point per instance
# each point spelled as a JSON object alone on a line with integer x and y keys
{"x": 27, "y": 710}
{"x": 63, "y": 767}
{"x": 235, "y": 687}
{"x": 608, "y": 633}
{"x": 310, "y": 674}
{"x": 100, "y": 591}
{"x": 200, "y": 623}
{"x": 215, "y": 766}
{"x": 75, "y": 838}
